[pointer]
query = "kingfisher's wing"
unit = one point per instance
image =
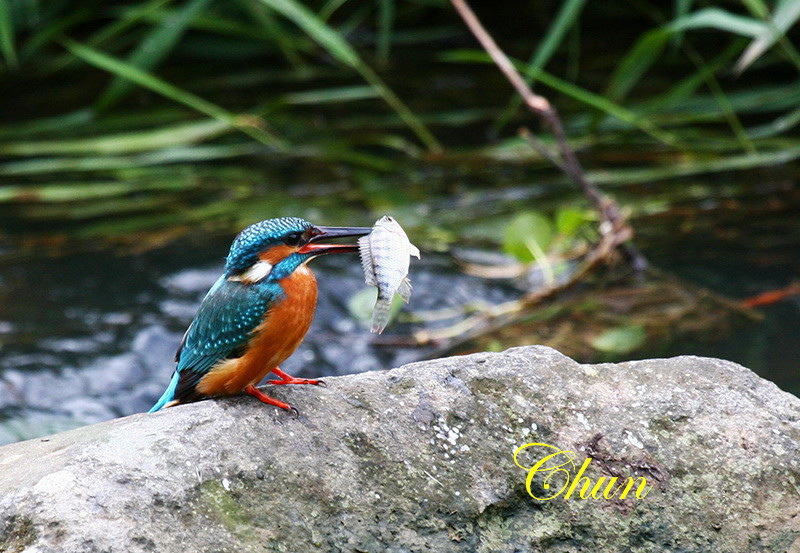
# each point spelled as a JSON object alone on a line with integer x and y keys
{"x": 221, "y": 330}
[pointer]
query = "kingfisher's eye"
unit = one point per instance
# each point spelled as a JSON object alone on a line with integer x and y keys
{"x": 293, "y": 238}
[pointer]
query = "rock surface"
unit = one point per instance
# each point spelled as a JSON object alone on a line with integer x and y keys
{"x": 420, "y": 458}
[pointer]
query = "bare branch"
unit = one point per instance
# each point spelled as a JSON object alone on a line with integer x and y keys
{"x": 612, "y": 221}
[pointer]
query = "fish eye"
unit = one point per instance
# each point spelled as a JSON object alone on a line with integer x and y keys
{"x": 293, "y": 238}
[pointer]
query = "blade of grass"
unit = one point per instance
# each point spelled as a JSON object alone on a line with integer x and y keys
{"x": 687, "y": 86}
{"x": 124, "y": 20}
{"x": 159, "y": 86}
{"x": 760, "y": 99}
{"x": 137, "y": 141}
{"x": 716, "y": 18}
{"x": 578, "y": 93}
{"x": 156, "y": 45}
{"x": 330, "y": 95}
{"x": 52, "y": 29}
{"x": 757, "y": 7}
{"x": 565, "y": 19}
{"x": 339, "y": 48}
{"x": 385, "y": 21}
{"x": 105, "y": 163}
{"x": 7, "y": 35}
{"x": 355, "y": 19}
{"x": 81, "y": 190}
{"x": 47, "y": 124}
{"x": 681, "y": 9}
{"x": 215, "y": 24}
{"x": 329, "y": 8}
{"x": 780, "y": 125}
{"x": 786, "y": 14}
{"x": 637, "y": 62}
{"x": 724, "y": 103}
{"x": 642, "y": 57}
{"x": 454, "y": 118}
{"x": 620, "y": 177}
{"x": 285, "y": 41}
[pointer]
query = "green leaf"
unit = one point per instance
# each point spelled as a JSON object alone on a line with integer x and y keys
{"x": 620, "y": 340}
{"x": 569, "y": 220}
{"x": 361, "y": 303}
{"x": 527, "y": 234}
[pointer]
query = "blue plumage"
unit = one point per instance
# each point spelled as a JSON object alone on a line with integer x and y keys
{"x": 168, "y": 395}
{"x": 257, "y": 237}
{"x": 257, "y": 267}
{"x": 231, "y": 310}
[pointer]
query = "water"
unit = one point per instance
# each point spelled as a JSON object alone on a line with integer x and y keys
{"x": 90, "y": 336}
{"x": 94, "y": 338}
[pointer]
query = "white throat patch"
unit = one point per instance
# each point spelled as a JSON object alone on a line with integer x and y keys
{"x": 256, "y": 273}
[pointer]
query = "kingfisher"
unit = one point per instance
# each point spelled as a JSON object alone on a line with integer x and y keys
{"x": 256, "y": 314}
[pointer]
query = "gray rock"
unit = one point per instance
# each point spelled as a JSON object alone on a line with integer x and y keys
{"x": 421, "y": 459}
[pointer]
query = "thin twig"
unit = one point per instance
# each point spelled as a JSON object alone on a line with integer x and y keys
{"x": 497, "y": 317}
{"x": 540, "y": 147}
{"x": 612, "y": 220}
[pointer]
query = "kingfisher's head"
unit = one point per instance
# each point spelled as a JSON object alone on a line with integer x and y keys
{"x": 276, "y": 247}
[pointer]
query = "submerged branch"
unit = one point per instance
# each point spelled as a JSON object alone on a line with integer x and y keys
{"x": 496, "y": 317}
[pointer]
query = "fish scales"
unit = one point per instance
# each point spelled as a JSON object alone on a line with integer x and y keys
{"x": 385, "y": 254}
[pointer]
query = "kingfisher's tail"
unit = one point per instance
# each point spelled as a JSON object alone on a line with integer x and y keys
{"x": 168, "y": 395}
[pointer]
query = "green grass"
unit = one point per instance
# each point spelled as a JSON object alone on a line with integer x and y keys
{"x": 381, "y": 86}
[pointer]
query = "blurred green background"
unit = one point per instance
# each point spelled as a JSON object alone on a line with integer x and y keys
{"x": 155, "y": 111}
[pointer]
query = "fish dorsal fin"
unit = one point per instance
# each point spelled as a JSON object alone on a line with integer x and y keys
{"x": 367, "y": 263}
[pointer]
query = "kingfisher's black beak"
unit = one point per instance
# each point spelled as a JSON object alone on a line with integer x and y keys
{"x": 325, "y": 233}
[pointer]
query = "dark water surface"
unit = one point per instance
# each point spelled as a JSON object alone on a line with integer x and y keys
{"x": 94, "y": 337}
{"x": 90, "y": 336}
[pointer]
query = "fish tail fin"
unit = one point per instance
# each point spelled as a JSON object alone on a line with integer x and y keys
{"x": 380, "y": 315}
{"x": 168, "y": 395}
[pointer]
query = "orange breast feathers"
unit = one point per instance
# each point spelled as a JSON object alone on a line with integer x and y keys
{"x": 274, "y": 340}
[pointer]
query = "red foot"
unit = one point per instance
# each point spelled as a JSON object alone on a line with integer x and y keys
{"x": 253, "y": 391}
{"x": 288, "y": 379}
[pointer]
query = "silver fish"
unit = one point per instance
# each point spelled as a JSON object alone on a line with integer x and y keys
{"x": 385, "y": 254}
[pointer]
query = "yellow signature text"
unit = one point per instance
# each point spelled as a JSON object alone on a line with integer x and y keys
{"x": 557, "y": 471}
